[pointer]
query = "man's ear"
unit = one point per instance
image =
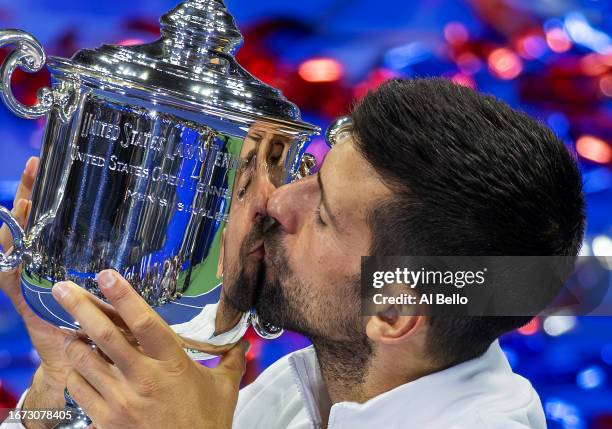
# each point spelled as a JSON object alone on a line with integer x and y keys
{"x": 390, "y": 327}
{"x": 221, "y": 255}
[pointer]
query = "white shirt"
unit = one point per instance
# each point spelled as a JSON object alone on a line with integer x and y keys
{"x": 481, "y": 393}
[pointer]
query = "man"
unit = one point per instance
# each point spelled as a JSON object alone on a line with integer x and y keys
{"x": 427, "y": 168}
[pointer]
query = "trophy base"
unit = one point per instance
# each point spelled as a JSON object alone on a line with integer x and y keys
{"x": 38, "y": 296}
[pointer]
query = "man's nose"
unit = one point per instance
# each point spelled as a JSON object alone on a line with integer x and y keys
{"x": 259, "y": 204}
{"x": 288, "y": 204}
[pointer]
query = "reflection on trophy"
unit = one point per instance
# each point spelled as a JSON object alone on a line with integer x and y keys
{"x": 145, "y": 150}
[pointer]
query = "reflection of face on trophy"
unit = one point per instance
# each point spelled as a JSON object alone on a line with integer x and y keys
{"x": 263, "y": 157}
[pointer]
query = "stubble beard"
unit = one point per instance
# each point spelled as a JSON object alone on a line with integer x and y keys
{"x": 343, "y": 349}
{"x": 241, "y": 285}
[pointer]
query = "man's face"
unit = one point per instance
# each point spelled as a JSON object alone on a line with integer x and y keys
{"x": 312, "y": 257}
{"x": 263, "y": 154}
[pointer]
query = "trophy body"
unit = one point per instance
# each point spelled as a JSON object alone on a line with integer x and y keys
{"x": 138, "y": 190}
{"x": 141, "y": 152}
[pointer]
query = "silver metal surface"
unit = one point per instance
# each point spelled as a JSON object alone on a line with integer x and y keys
{"x": 12, "y": 261}
{"x": 193, "y": 61}
{"x": 30, "y": 57}
{"x": 141, "y": 148}
{"x": 264, "y": 329}
{"x": 335, "y": 130}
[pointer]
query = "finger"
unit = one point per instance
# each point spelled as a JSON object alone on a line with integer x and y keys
{"x": 97, "y": 325}
{"x": 233, "y": 363}
{"x": 155, "y": 337}
{"x": 19, "y": 211}
{"x": 203, "y": 347}
{"x": 91, "y": 366}
{"x": 24, "y": 190}
{"x": 111, "y": 313}
{"x": 24, "y": 221}
{"x": 88, "y": 398}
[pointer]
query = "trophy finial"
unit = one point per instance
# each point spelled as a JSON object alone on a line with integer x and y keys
{"x": 197, "y": 27}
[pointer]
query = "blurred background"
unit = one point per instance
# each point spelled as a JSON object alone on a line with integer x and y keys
{"x": 550, "y": 58}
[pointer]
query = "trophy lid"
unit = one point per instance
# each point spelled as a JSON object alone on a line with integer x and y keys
{"x": 192, "y": 61}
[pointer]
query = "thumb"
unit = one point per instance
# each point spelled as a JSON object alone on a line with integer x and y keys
{"x": 234, "y": 361}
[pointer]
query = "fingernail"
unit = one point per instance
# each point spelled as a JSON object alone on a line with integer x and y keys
{"x": 60, "y": 291}
{"x": 106, "y": 279}
{"x": 28, "y": 166}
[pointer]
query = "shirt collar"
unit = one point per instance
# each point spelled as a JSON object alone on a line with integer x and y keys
{"x": 430, "y": 394}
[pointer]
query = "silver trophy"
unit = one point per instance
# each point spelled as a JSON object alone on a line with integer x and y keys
{"x": 145, "y": 150}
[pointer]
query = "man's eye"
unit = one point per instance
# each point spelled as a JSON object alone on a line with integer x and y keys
{"x": 318, "y": 217}
{"x": 276, "y": 153}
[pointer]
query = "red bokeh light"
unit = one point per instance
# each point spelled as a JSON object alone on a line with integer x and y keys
{"x": 592, "y": 65}
{"x": 469, "y": 63}
{"x": 465, "y": 80}
{"x": 505, "y": 64}
{"x": 594, "y": 149}
{"x": 321, "y": 70}
{"x": 456, "y": 33}
{"x": 558, "y": 40}
{"x": 531, "y": 328}
{"x": 605, "y": 85}
{"x": 531, "y": 47}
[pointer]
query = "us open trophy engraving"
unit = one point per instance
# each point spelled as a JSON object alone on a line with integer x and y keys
{"x": 145, "y": 150}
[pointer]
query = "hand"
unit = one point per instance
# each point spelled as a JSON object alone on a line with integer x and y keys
{"x": 153, "y": 385}
{"x": 47, "y": 389}
{"x": 227, "y": 316}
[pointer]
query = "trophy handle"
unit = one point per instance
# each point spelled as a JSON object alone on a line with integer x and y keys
{"x": 338, "y": 127}
{"x": 265, "y": 330}
{"x": 10, "y": 262}
{"x": 307, "y": 165}
{"x": 30, "y": 57}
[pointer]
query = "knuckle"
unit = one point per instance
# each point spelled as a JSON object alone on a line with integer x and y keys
{"x": 83, "y": 358}
{"x": 121, "y": 406}
{"x": 123, "y": 409}
{"x": 176, "y": 367}
{"x": 144, "y": 324}
{"x": 73, "y": 350}
{"x": 105, "y": 335}
{"x": 121, "y": 292}
{"x": 71, "y": 302}
{"x": 148, "y": 385}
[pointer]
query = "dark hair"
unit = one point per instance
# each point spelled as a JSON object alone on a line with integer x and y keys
{"x": 471, "y": 176}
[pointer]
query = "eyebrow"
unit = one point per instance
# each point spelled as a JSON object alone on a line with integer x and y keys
{"x": 324, "y": 201}
{"x": 244, "y": 162}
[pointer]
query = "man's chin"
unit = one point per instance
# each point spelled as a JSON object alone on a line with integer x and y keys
{"x": 241, "y": 295}
{"x": 270, "y": 302}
